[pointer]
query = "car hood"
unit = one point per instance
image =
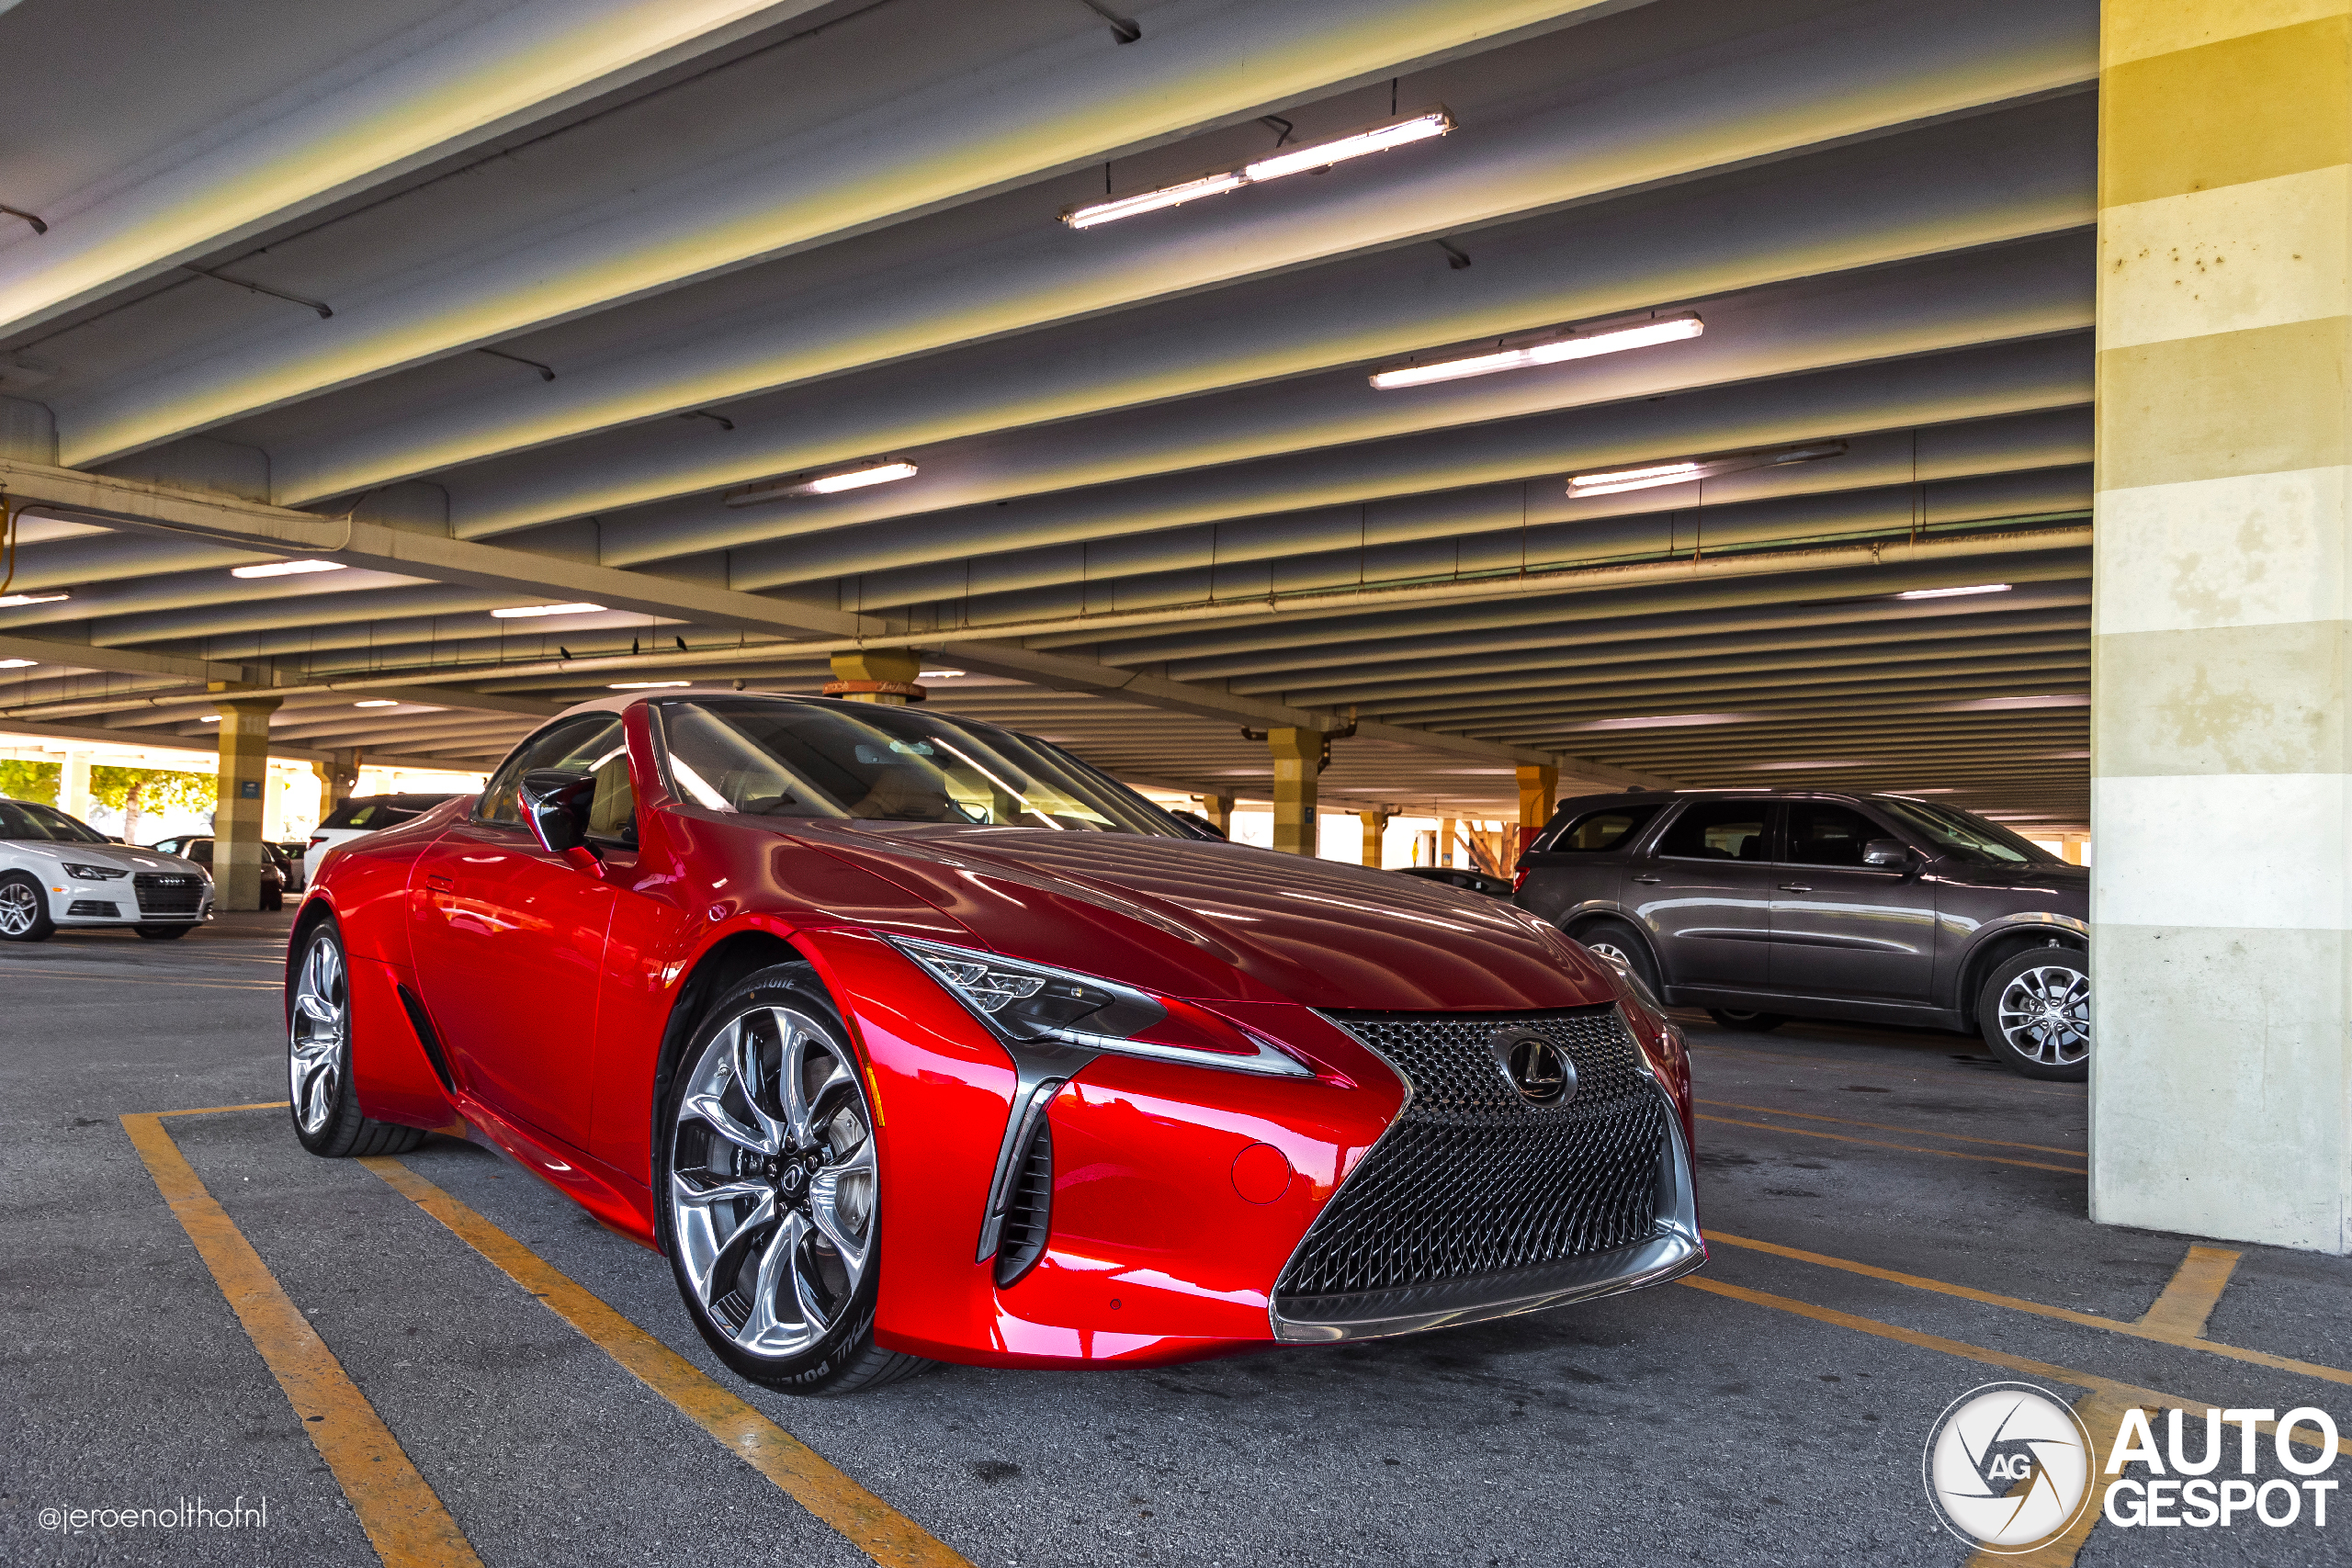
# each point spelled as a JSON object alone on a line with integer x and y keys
{"x": 1211, "y": 921}
{"x": 121, "y": 857}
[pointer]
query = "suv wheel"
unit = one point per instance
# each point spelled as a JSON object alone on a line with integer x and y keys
{"x": 1613, "y": 941}
{"x": 2035, "y": 1012}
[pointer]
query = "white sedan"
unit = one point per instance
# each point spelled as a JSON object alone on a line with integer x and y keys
{"x": 58, "y": 872}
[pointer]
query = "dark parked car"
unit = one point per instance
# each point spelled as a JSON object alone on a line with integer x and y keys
{"x": 276, "y": 874}
{"x": 1762, "y": 907}
{"x": 1459, "y": 876}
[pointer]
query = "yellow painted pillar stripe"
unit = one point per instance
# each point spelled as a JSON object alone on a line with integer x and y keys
{"x": 870, "y": 1524}
{"x": 404, "y": 1517}
{"x": 2195, "y": 1290}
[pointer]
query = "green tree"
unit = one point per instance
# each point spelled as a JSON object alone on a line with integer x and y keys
{"x": 30, "y": 781}
{"x": 133, "y": 790}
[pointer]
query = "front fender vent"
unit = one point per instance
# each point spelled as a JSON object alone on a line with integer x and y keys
{"x": 1028, "y": 1208}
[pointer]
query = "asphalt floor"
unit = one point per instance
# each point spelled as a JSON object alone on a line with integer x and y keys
{"x": 1772, "y": 1410}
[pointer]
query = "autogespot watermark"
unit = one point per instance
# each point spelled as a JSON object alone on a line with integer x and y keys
{"x": 183, "y": 1513}
{"x": 2010, "y": 1468}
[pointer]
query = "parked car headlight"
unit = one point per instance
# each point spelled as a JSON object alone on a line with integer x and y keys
{"x": 93, "y": 873}
{"x": 1029, "y": 1003}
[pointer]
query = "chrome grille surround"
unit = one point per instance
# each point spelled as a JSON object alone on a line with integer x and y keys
{"x": 1475, "y": 1204}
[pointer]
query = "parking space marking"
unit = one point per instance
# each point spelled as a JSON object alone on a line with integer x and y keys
{"x": 2017, "y": 1085}
{"x": 404, "y": 1517}
{"x": 864, "y": 1519}
{"x": 2142, "y": 1329}
{"x": 1877, "y": 1144}
{"x": 1884, "y": 1127}
{"x": 2195, "y": 1289}
{"x": 2118, "y": 1394}
{"x": 84, "y": 973}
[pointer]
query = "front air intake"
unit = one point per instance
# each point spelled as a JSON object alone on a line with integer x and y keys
{"x": 1028, "y": 1208}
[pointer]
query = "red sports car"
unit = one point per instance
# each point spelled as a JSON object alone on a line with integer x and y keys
{"x": 905, "y": 1037}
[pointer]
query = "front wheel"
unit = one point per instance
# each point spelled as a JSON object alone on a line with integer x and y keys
{"x": 327, "y": 1117}
{"x": 24, "y": 909}
{"x": 2035, "y": 1012}
{"x": 1614, "y": 943}
{"x": 767, "y": 1187}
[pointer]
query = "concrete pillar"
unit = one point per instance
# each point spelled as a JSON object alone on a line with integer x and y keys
{"x": 1444, "y": 841}
{"x": 1218, "y": 809}
{"x": 2070, "y": 847}
{"x": 1298, "y": 761}
{"x": 338, "y": 776}
{"x": 2221, "y": 1063}
{"x": 1539, "y": 790}
{"x": 884, "y": 675}
{"x": 237, "y": 818}
{"x": 1375, "y": 829}
{"x": 73, "y": 785}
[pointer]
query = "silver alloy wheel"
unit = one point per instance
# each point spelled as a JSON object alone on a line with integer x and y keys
{"x": 773, "y": 1182}
{"x": 317, "y": 1031}
{"x": 2045, "y": 1015}
{"x": 19, "y": 907}
{"x": 1615, "y": 954}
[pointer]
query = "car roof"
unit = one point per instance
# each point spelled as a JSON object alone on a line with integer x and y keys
{"x": 1652, "y": 797}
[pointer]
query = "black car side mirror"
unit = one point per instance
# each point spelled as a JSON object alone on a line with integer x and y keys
{"x": 555, "y": 807}
{"x": 1885, "y": 851}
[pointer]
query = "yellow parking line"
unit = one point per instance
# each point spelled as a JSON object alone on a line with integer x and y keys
{"x": 45, "y": 972}
{"x": 217, "y": 1109}
{"x": 1877, "y": 1144}
{"x": 2103, "y": 1418}
{"x": 2195, "y": 1290}
{"x": 2144, "y": 1329}
{"x": 1884, "y": 1127}
{"x": 2118, "y": 1394}
{"x": 870, "y": 1524}
{"x": 405, "y": 1519}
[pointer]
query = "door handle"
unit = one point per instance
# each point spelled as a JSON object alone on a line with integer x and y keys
{"x": 1797, "y": 887}
{"x": 1646, "y": 879}
{"x": 446, "y": 884}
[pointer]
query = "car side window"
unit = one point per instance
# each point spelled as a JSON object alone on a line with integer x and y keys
{"x": 575, "y": 745}
{"x": 1718, "y": 829}
{"x": 1606, "y": 828}
{"x": 1821, "y": 834}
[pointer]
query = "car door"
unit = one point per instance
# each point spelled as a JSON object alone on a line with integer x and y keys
{"x": 1704, "y": 893}
{"x": 509, "y": 943}
{"x": 1841, "y": 928}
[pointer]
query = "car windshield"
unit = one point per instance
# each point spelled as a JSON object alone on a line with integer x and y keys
{"x": 770, "y": 757}
{"x": 1970, "y": 838}
{"x": 23, "y": 820}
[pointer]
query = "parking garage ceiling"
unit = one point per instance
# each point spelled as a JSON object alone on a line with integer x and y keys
{"x": 497, "y": 305}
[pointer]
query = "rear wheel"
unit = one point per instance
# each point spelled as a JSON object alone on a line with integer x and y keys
{"x": 1748, "y": 1022}
{"x": 2035, "y": 1012}
{"x": 163, "y": 933}
{"x": 24, "y": 909}
{"x": 327, "y": 1117}
{"x": 767, "y": 1187}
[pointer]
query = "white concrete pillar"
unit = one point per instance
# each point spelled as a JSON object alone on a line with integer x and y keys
{"x": 2222, "y": 1061}
{"x": 73, "y": 785}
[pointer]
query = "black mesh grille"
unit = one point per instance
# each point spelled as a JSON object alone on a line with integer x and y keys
{"x": 1472, "y": 1179}
{"x": 87, "y": 908}
{"x": 164, "y": 893}
{"x": 1029, "y": 1208}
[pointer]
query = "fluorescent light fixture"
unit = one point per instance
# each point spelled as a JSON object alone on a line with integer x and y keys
{"x": 531, "y": 612}
{"x": 1953, "y": 592}
{"x": 1612, "y": 481}
{"x": 1664, "y": 721}
{"x": 285, "y": 568}
{"x": 2003, "y": 704}
{"x": 829, "y": 484}
{"x": 1806, "y": 767}
{"x": 13, "y": 600}
{"x": 1273, "y": 166}
{"x": 645, "y": 685}
{"x": 378, "y": 703}
{"x": 210, "y": 718}
{"x": 937, "y": 675}
{"x": 1550, "y": 351}
{"x": 17, "y": 664}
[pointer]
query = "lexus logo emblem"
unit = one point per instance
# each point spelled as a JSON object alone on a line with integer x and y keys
{"x": 1540, "y": 1070}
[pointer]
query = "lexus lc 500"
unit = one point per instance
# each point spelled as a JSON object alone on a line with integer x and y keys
{"x": 907, "y": 1038}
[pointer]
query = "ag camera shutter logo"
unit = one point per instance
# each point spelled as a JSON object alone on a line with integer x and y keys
{"x": 2008, "y": 1467}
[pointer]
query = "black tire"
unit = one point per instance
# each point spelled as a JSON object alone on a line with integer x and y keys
{"x": 26, "y": 908}
{"x": 843, "y": 1358}
{"x": 1614, "y": 940}
{"x": 1748, "y": 1022}
{"x": 2034, "y": 1013}
{"x": 163, "y": 933}
{"x": 327, "y": 1118}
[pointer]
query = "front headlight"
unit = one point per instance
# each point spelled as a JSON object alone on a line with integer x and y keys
{"x": 93, "y": 873}
{"x": 1032, "y": 1003}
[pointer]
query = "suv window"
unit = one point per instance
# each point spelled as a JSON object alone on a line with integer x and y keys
{"x": 1606, "y": 828}
{"x": 1821, "y": 834}
{"x": 579, "y": 745}
{"x": 1718, "y": 829}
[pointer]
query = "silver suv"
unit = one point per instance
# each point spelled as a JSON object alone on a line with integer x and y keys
{"x": 1760, "y": 907}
